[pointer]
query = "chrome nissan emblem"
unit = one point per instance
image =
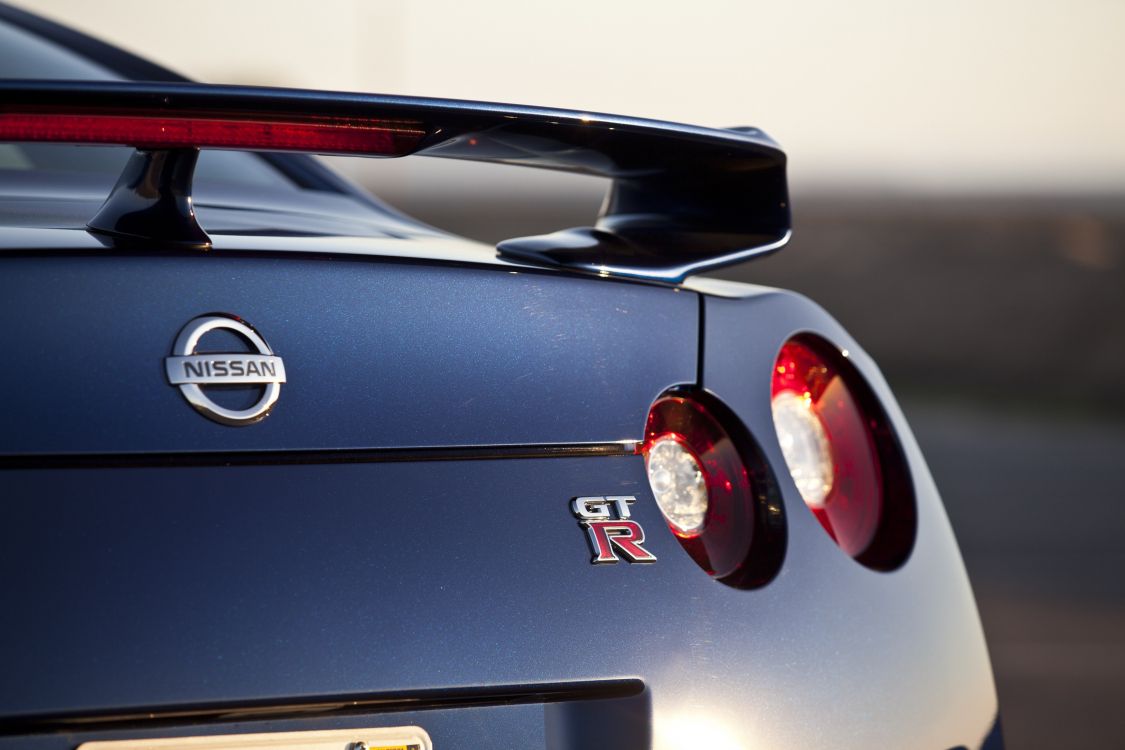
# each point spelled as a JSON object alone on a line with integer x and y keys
{"x": 191, "y": 371}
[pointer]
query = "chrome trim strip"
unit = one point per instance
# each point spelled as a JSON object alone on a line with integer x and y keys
{"x": 266, "y": 458}
{"x": 343, "y": 705}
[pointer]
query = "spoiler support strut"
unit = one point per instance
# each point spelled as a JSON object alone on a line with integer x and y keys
{"x": 151, "y": 202}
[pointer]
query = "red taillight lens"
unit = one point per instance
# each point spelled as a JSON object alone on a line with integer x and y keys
{"x": 713, "y": 489}
{"x": 266, "y": 132}
{"x": 841, "y": 452}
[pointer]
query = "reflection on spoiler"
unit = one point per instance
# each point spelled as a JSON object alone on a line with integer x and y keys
{"x": 683, "y": 200}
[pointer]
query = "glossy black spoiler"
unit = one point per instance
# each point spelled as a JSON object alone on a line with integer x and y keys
{"x": 683, "y": 200}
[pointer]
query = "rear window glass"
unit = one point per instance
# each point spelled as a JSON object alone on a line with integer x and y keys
{"x": 26, "y": 56}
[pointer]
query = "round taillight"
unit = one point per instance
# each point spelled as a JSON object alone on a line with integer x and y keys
{"x": 842, "y": 453}
{"x": 713, "y": 488}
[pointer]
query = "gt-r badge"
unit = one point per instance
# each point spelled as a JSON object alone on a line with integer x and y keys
{"x": 191, "y": 371}
{"x": 610, "y": 535}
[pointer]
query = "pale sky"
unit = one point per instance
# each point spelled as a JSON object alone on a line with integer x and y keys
{"x": 942, "y": 95}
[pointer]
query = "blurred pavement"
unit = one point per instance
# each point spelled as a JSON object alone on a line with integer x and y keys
{"x": 1039, "y": 511}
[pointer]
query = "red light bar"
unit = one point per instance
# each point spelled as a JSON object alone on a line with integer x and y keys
{"x": 325, "y": 135}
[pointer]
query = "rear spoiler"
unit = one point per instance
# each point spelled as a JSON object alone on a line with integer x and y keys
{"x": 683, "y": 200}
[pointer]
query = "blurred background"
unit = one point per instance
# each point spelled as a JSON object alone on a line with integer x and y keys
{"x": 958, "y": 176}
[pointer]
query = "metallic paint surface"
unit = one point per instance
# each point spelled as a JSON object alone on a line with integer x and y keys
{"x": 274, "y": 582}
{"x": 901, "y": 658}
{"x": 377, "y": 355}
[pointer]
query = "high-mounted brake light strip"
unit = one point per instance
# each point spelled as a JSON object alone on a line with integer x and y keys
{"x": 329, "y": 135}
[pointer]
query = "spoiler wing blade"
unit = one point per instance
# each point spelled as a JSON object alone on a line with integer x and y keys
{"x": 684, "y": 199}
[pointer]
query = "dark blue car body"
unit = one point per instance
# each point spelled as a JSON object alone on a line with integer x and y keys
{"x": 394, "y": 545}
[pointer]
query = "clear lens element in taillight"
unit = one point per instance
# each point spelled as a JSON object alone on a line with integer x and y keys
{"x": 676, "y": 477}
{"x": 714, "y": 489}
{"x": 842, "y": 453}
{"x": 804, "y": 444}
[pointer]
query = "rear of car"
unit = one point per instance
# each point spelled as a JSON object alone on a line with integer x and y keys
{"x": 342, "y": 480}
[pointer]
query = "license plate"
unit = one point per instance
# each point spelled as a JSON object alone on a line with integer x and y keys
{"x": 382, "y": 738}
